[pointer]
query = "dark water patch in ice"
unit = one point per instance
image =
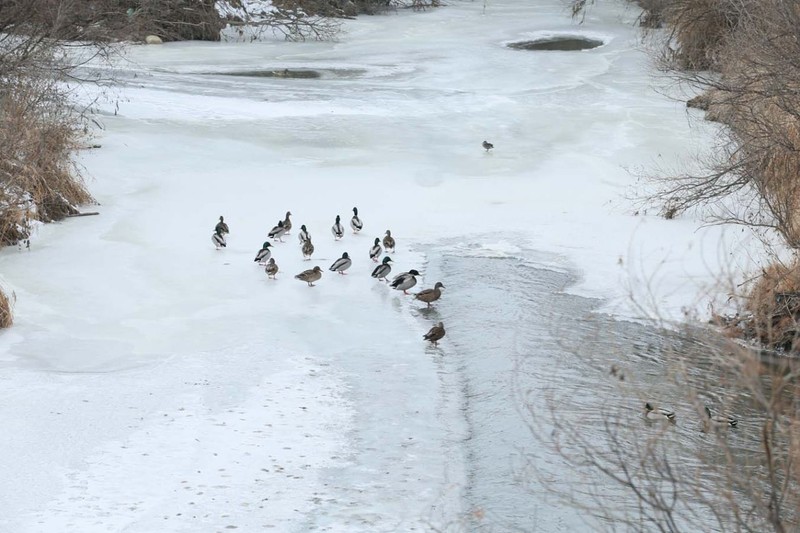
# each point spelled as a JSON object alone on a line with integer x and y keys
{"x": 295, "y": 73}
{"x": 563, "y": 43}
{"x": 525, "y": 347}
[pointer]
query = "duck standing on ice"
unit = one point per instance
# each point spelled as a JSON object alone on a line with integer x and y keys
{"x": 405, "y": 281}
{"x": 356, "y": 223}
{"x": 303, "y": 236}
{"x": 341, "y": 264}
{"x": 263, "y": 254}
{"x": 277, "y": 232}
{"x": 307, "y": 249}
{"x": 430, "y": 295}
{"x": 310, "y": 276}
{"x": 271, "y": 268}
{"x": 382, "y": 271}
{"x": 218, "y": 238}
{"x": 287, "y": 223}
{"x": 388, "y": 242}
{"x": 222, "y": 227}
{"x": 375, "y": 251}
{"x": 337, "y": 229}
{"x": 435, "y": 334}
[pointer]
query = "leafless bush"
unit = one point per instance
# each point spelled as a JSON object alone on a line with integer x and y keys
{"x": 6, "y": 310}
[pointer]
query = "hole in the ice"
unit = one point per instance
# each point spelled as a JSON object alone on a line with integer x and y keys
{"x": 565, "y": 43}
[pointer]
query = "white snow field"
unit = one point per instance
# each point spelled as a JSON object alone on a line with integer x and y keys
{"x": 154, "y": 384}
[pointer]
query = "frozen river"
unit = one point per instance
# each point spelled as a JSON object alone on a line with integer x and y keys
{"x": 152, "y": 383}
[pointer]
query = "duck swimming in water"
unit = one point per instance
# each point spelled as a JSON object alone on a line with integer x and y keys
{"x": 341, "y": 264}
{"x": 263, "y": 254}
{"x": 658, "y": 413}
{"x": 405, "y": 281}
{"x": 355, "y": 222}
{"x": 382, "y": 271}
{"x": 719, "y": 421}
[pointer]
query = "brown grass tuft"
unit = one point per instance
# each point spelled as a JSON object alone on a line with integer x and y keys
{"x": 774, "y": 307}
{"x": 6, "y": 309}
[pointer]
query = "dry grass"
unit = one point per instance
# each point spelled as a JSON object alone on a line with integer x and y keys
{"x": 38, "y": 134}
{"x": 774, "y": 308}
{"x": 6, "y": 310}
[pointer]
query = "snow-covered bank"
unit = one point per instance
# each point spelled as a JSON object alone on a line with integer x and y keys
{"x": 136, "y": 313}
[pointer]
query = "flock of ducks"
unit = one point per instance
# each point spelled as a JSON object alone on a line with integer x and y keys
{"x": 402, "y": 282}
{"x": 711, "y": 421}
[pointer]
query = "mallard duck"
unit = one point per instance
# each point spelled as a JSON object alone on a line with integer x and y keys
{"x": 720, "y": 421}
{"x": 405, "y": 281}
{"x": 307, "y": 249}
{"x": 487, "y": 145}
{"x": 658, "y": 413}
{"x": 382, "y": 271}
{"x": 287, "y": 223}
{"x": 341, "y": 264}
{"x": 430, "y": 295}
{"x": 218, "y": 238}
{"x": 375, "y": 251}
{"x": 435, "y": 334}
{"x": 221, "y": 227}
{"x": 356, "y": 222}
{"x": 303, "y": 236}
{"x": 388, "y": 242}
{"x": 337, "y": 229}
{"x": 310, "y": 276}
{"x": 263, "y": 254}
{"x": 272, "y": 268}
{"x": 277, "y": 232}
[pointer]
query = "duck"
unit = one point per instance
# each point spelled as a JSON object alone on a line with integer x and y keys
{"x": 218, "y": 238}
{"x": 263, "y": 254}
{"x": 341, "y": 264}
{"x": 221, "y": 226}
{"x": 310, "y": 276}
{"x": 271, "y": 268}
{"x": 382, "y": 271}
{"x": 375, "y": 251}
{"x": 303, "y": 236}
{"x": 337, "y": 229}
{"x": 658, "y": 413}
{"x": 277, "y": 232}
{"x": 487, "y": 145}
{"x": 287, "y": 223}
{"x": 356, "y": 223}
{"x": 388, "y": 242}
{"x": 307, "y": 249}
{"x": 435, "y": 334}
{"x": 719, "y": 421}
{"x": 405, "y": 281}
{"x": 430, "y": 295}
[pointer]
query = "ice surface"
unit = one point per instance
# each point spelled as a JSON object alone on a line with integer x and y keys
{"x": 152, "y": 383}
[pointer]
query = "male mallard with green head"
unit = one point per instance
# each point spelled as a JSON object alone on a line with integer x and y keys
{"x": 263, "y": 254}
{"x": 375, "y": 251}
{"x": 430, "y": 295}
{"x": 303, "y": 236}
{"x": 405, "y": 281}
{"x": 382, "y": 271}
{"x": 388, "y": 242}
{"x": 307, "y": 249}
{"x": 435, "y": 334}
{"x": 272, "y": 268}
{"x": 341, "y": 264}
{"x": 356, "y": 223}
{"x": 719, "y": 421}
{"x": 310, "y": 276}
{"x": 337, "y": 229}
{"x": 658, "y": 413}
